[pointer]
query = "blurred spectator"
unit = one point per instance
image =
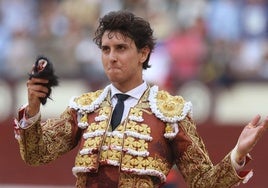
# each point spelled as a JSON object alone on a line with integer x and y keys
{"x": 160, "y": 62}
{"x": 20, "y": 55}
{"x": 254, "y": 19}
{"x": 249, "y": 62}
{"x": 139, "y": 7}
{"x": 223, "y": 20}
{"x": 190, "y": 11}
{"x": 17, "y": 26}
{"x": 217, "y": 42}
{"x": 5, "y": 37}
{"x": 223, "y": 37}
{"x": 216, "y": 72}
{"x": 187, "y": 51}
{"x": 88, "y": 57}
{"x": 19, "y": 14}
{"x": 108, "y": 5}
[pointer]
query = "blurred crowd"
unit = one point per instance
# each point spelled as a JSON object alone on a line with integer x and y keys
{"x": 218, "y": 42}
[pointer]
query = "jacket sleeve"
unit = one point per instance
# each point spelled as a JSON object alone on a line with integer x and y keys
{"x": 193, "y": 161}
{"x": 44, "y": 142}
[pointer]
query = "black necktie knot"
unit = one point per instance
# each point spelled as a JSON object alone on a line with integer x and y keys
{"x": 121, "y": 97}
{"x": 118, "y": 110}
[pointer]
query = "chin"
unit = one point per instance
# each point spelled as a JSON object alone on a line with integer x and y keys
{"x": 113, "y": 75}
{"x": 113, "y": 79}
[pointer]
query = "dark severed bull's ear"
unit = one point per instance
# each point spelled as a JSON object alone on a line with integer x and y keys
{"x": 43, "y": 68}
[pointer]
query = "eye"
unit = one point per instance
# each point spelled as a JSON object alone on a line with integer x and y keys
{"x": 105, "y": 49}
{"x": 121, "y": 47}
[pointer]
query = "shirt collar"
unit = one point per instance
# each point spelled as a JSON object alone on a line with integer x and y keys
{"x": 135, "y": 93}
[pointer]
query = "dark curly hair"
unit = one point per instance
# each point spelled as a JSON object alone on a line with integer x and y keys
{"x": 128, "y": 25}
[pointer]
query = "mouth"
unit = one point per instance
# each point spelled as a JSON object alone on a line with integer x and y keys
{"x": 113, "y": 68}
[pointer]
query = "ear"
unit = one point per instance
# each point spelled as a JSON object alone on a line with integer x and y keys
{"x": 144, "y": 52}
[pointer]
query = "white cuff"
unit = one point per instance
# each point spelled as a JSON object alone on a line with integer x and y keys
{"x": 26, "y": 123}
{"x": 234, "y": 163}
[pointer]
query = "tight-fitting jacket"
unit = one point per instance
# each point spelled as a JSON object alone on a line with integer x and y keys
{"x": 157, "y": 133}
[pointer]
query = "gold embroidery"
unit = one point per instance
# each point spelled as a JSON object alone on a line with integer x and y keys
{"x": 105, "y": 111}
{"x": 142, "y": 163}
{"x": 84, "y": 118}
{"x": 116, "y": 141}
{"x": 197, "y": 171}
{"x": 81, "y": 180}
{"x": 103, "y": 155}
{"x": 135, "y": 181}
{"x": 127, "y": 145}
{"x": 196, "y": 167}
{"x": 169, "y": 105}
{"x": 135, "y": 112}
{"x": 52, "y": 145}
{"x": 100, "y": 126}
{"x": 112, "y": 147}
{"x": 169, "y": 128}
{"x": 85, "y": 161}
{"x": 93, "y": 143}
{"x": 113, "y": 155}
{"x": 135, "y": 144}
{"x": 139, "y": 128}
{"x": 88, "y": 98}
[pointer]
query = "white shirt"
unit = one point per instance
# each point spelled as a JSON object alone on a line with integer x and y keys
{"x": 135, "y": 95}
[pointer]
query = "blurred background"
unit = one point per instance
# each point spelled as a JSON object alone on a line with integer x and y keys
{"x": 212, "y": 52}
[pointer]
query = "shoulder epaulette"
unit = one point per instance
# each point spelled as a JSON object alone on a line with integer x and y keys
{"x": 88, "y": 102}
{"x": 168, "y": 108}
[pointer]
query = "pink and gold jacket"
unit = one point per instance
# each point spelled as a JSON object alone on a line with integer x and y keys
{"x": 158, "y": 133}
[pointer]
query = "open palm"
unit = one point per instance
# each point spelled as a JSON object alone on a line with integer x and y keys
{"x": 250, "y": 135}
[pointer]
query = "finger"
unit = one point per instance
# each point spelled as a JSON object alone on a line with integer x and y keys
{"x": 38, "y": 90}
{"x": 262, "y": 128}
{"x": 265, "y": 123}
{"x": 38, "y": 87}
{"x": 255, "y": 121}
{"x": 37, "y": 81}
{"x": 38, "y": 94}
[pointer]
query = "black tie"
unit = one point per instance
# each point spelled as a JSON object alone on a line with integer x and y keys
{"x": 118, "y": 110}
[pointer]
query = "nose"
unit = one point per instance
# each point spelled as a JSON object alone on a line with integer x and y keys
{"x": 112, "y": 56}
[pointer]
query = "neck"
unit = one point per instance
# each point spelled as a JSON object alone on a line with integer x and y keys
{"x": 127, "y": 87}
